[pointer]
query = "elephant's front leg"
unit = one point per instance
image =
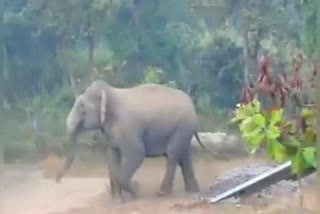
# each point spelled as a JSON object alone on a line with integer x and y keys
{"x": 114, "y": 165}
{"x": 132, "y": 156}
{"x": 113, "y": 162}
{"x": 114, "y": 188}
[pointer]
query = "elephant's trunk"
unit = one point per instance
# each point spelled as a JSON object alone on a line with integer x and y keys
{"x": 70, "y": 157}
{"x": 73, "y": 128}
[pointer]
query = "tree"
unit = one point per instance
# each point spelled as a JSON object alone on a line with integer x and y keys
{"x": 2, "y": 58}
{"x": 317, "y": 11}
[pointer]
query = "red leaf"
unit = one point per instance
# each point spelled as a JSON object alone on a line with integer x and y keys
{"x": 284, "y": 82}
{"x": 282, "y": 98}
{"x": 315, "y": 68}
{"x": 264, "y": 64}
{"x": 303, "y": 124}
{"x": 297, "y": 60}
{"x": 246, "y": 95}
{"x": 265, "y": 85}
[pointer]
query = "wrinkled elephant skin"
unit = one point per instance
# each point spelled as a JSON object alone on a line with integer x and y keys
{"x": 148, "y": 120}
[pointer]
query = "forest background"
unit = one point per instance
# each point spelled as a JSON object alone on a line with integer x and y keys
{"x": 51, "y": 50}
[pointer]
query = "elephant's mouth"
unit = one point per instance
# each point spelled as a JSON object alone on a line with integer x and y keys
{"x": 102, "y": 129}
{"x": 78, "y": 128}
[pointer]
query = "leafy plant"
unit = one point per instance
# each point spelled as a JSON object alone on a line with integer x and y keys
{"x": 152, "y": 75}
{"x": 285, "y": 137}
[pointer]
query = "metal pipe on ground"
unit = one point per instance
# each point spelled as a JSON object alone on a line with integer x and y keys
{"x": 282, "y": 172}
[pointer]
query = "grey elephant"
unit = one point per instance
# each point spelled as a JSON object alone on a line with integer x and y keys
{"x": 148, "y": 120}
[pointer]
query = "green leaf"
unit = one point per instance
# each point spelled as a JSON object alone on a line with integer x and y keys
{"x": 234, "y": 120}
{"x": 260, "y": 120}
{"x": 298, "y": 163}
{"x": 244, "y": 112}
{"x": 289, "y": 126}
{"x": 309, "y": 121}
{"x": 256, "y": 105}
{"x": 309, "y": 135}
{"x": 293, "y": 141}
{"x": 306, "y": 113}
{"x": 309, "y": 154}
{"x": 255, "y": 137}
{"x": 247, "y": 125}
{"x": 275, "y": 116}
{"x": 273, "y": 132}
{"x": 277, "y": 151}
{"x": 241, "y": 113}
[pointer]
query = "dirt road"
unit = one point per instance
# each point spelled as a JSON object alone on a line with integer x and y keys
{"x": 26, "y": 191}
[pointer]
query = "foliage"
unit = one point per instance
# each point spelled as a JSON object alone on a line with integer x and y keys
{"x": 153, "y": 75}
{"x": 284, "y": 137}
{"x": 53, "y": 49}
{"x": 220, "y": 70}
{"x": 309, "y": 33}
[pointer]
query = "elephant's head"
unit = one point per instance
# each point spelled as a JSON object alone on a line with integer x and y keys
{"x": 88, "y": 113}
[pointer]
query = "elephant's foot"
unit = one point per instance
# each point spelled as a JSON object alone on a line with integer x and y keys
{"x": 165, "y": 190}
{"x": 194, "y": 188}
{"x": 161, "y": 194}
{"x": 118, "y": 199}
{"x": 164, "y": 193}
{"x": 118, "y": 194}
{"x": 135, "y": 186}
{"x": 134, "y": 189}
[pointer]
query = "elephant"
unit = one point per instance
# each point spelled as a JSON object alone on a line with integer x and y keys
{"x": 148, "y": 120}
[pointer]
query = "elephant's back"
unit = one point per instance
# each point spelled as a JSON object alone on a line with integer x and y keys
{"x": 162, "y": 95}
{"x": 158, "y": 97}
{"x": 153, "y": 102}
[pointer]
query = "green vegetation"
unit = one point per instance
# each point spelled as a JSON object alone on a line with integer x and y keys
{"x": 287, "y": 126}
{"x": 280, "y": 136}
{"x": 51, "y": 50}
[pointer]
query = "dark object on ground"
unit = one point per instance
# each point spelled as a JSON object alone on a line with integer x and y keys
{"x": 263, "y": 180}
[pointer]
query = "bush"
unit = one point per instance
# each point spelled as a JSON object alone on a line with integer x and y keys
{"x": 285, "y": 134}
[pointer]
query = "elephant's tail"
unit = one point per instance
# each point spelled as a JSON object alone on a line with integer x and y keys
{"x": 213, "y": 154}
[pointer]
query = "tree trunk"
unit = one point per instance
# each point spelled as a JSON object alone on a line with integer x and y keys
{"x": 2, "y": 57}
{"x": 317, "y": 101}
{"x": 2, "y": 71}
{"x": 68, "y": 77}
{"x": 136, "y": 23}
{"x": 251, "y": 37}
{"x": 39, "y": 132}
{"x": 72, "y": 83}
{"x": 90, "y": 40}
{"x": 91, "y": 48}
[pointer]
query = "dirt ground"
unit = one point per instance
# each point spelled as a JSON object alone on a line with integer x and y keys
{"x": 84, "y": 191}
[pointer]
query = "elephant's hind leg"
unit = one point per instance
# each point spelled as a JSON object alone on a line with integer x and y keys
{"x": 167, "y": 182}
{"x": 174, "y": 153}
{"x": 191, "y": 184}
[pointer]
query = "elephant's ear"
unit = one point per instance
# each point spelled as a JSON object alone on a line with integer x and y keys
{"x": 103, "y": 106}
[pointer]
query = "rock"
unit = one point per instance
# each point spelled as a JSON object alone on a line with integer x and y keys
{"x": 238, "y": 176}
{"x": 220, "y": 142}
{"x": 209, "y": 138}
